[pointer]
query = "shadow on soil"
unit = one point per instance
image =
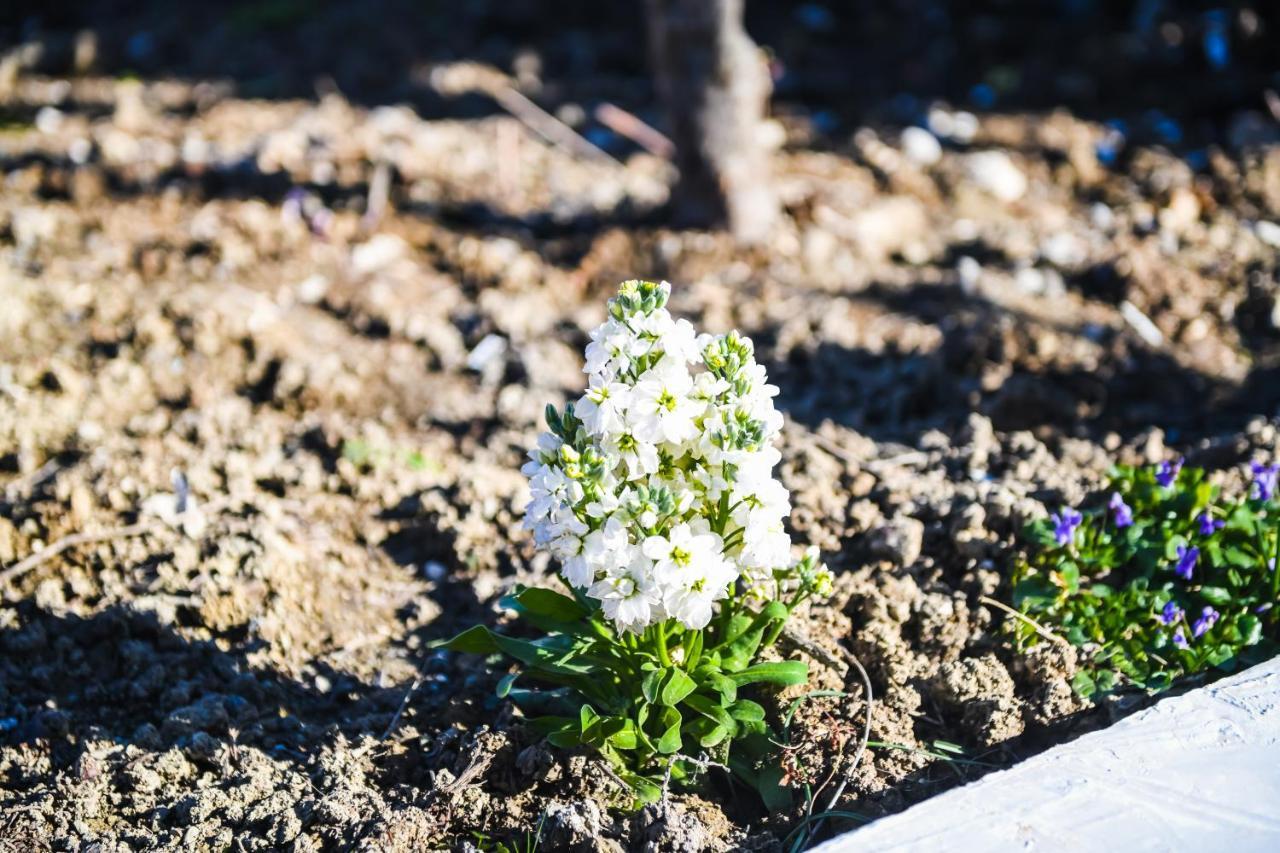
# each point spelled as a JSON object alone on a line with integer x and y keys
{"x": 123, "y": 675}
{"x": 987, "y": 363}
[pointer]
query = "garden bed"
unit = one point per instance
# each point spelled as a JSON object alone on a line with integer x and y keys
{"x": 350, "y": 403}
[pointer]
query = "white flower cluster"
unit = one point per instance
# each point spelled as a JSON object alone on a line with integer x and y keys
{"x": 655, "y": 491}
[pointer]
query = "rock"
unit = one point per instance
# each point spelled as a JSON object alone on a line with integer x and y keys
{"x": 983, "y": 691}
{"x": 996, "y": 173}
{"x": 920, "y": 146}
{"x": 899, "y": 541}
{"x": 378, "y": 253}
{"x": 576, "y": 825}
{"x": 1267, "y": 232}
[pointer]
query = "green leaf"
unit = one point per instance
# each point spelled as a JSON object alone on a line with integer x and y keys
{"x": 717, "y": 734}
{"x": 1036, "y": 591}
{"x": 675, "y": 686}
{"x": 746, "y": 711}
{"x": 769, "y": 785}
{"x": 625, "y": 737}
{"x": 1215, "y": 595}
{"x": 551, "y": 654}
{"x": 722, "y": 684}
{"x": 1250, "y": 629}
{"x": 1084, "y": 684}
{"x": 649, "y": 685}
{"x": 646, "y": 790}
{"x": 504, "y": 685}
{"x": 670, "y": 741}
{"x": 740, "y": 650}
{"x": 546, "y": 602}
{"x": 780, "y": 672}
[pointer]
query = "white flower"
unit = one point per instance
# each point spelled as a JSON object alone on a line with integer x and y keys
{"x": 680, "y": 551}
{"x": 601, "y": 408}
{"x": 550, "y": 488}
{"x": 568, "y": 548}
{"x": 628, "y": 594}
{"x": 666, "y": 499}
{"x": 690, "y": 596}
{"x": 608, "y": 351}
{"x": 661, "y": 410}
{"x": 640, "y": 457}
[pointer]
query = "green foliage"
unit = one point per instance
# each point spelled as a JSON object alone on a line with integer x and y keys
{"x": 647, "y": 702}
{"x": 364, "y": 455}
{"x": 1139, "y": 599}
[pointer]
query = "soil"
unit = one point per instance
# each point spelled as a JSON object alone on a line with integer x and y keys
{"x": 208, "y": 292}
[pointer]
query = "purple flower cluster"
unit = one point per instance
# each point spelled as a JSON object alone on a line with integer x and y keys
{"x": 1120, "y": 511}
{"x": 1210, "y": 525}
{"x": 1264, "y": 480}
{"x": 1065, "y": 524}
{"x": 1187, "y": 558}
{"x": 1172, "y": 613}
{"x": 1207, "y": 617}
{"x": 1167, "y": 472}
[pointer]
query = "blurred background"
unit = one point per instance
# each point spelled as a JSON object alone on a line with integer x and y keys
{"x": 319, "y": 267}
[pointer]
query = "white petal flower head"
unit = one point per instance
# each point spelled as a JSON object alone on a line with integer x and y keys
{"x": 661, "y": 410}
{"x": 681, "y": 551}
{"x": 550, "y": 488}
{"x": 628, "y": 595}
{"x": 690, "y": 597}
{"x": 609, "y": 350}
{"x": 639, "y": 457}
{"x": 657, "y": 495}
{"x": 601, "y": 408}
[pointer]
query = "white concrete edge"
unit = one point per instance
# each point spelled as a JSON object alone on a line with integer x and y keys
{"x": 1200, "y": 771}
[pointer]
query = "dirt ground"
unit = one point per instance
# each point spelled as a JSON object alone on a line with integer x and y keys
{"x": 337, "y": 325}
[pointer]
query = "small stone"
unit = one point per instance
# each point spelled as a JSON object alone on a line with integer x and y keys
{"x": 900, "y": 541}
{"x": 1268, "y": 232}
{"x": 997, "y": 174}
{"x": 920, "y": 146}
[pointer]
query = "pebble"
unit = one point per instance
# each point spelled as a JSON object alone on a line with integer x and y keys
{"x": 489, "y": 348}
{"x": 997, "y": 174}
{"x": 1268, "y": 232}
{"x": 970, "y": 272}
{"x": 920, "y": 146}
{"x": 378, "y": 253}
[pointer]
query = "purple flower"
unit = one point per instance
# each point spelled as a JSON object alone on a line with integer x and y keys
{"x": 1065, "y": 524}
{"x": 1171, "y": 613}
{"x": 1179, "y": 639}
{"x": 1210, "y": 525}
{"x": 1207, "y": 617}
{"x": 1264, "y": 480}
{"x": 1186, "y": 561}
{"x": 1120, "y": 510}
{"x": 1167, "y": 472}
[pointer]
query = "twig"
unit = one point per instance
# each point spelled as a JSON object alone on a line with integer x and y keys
{"x": 632, "y": 127}
{"x": 910, "y": 457}
{"x": 862, "y": 746}
{"x": 548, "y": 126}
{"x": 404, "y": 703}
{"x": 71, "y": 541}
{"x": 1142, "y": 324}
{"x": 1039, "y": 629}
{"x": 379, "y": 193}
{"x": 50, "y": 551}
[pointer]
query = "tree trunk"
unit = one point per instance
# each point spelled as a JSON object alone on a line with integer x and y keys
{"x": 715, "y": 85}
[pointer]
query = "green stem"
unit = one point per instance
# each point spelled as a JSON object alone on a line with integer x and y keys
{"x": 1275, "y": 568}
{"x": 776, "y": 630}
{"x": 692, "y": 649}
{"x": 663, "y": 654}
